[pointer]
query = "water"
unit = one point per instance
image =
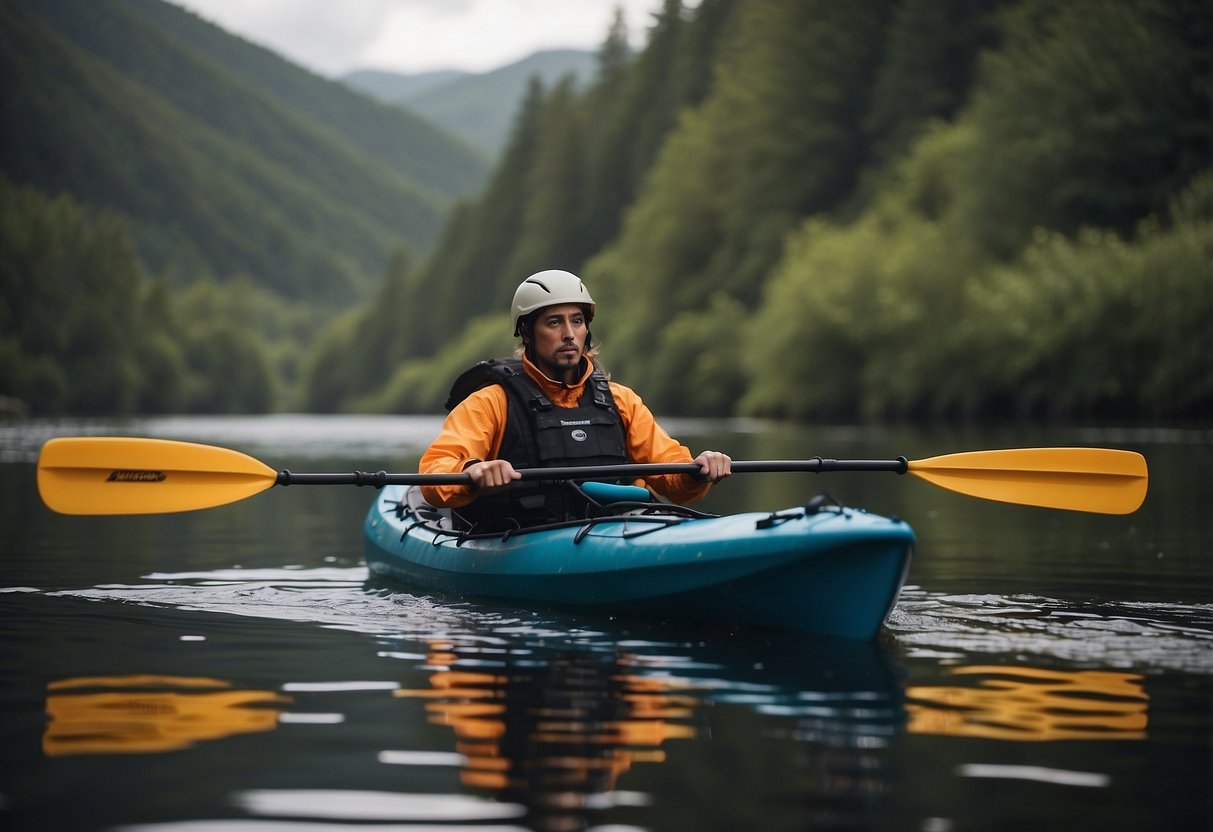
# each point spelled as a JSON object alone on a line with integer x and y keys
{"x": 234, "y": 669}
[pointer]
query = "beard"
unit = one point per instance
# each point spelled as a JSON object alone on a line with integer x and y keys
{"x": 560, "y": 365}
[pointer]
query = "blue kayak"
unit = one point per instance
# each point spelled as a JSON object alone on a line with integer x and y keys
{"x": 821, "y": 569}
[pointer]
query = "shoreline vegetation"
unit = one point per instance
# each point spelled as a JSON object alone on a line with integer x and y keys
{"x": 786, "y": 209}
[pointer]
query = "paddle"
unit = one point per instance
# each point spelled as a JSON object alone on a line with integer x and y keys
{"x": 129, "y": 475}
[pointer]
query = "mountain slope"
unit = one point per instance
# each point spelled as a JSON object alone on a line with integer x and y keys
{"x": 213, "y": 174}
{"x": 412, "y": 146}
{"x": 478, "y": 107}
{"x": 392, "y": 87}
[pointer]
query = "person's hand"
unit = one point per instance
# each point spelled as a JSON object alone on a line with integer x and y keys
{"x": 491, "y": 476}
{"x": 714, "y": 466}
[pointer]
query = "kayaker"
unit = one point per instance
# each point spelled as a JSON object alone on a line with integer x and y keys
{"x": 550, "y": 406}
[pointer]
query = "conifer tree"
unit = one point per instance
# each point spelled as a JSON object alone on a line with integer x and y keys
{"x": 927, "y": 68}
{"x": 779, "y": 137}
{"x": 551, "y": 234}
{"x": 467, "y": 273}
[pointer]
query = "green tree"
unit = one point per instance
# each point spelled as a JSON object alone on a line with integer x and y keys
{"x": 1090, "y": 113}
{"x": 551, "y": 233}
{"x": 229, "y": 369}
{"x": 466, "y": 275}
{"x": 84, "y": 331}
{"x": 1099, "y": 327}
{"x": 927, "y": 68}
{"x": 422, "y": 385}
{"x": 779, "y": 137}
{"x": 630, "y": 115}
{"x": 358, "y": 351}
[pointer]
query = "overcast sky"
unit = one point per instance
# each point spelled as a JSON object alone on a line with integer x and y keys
{"x": 332, "y": 37}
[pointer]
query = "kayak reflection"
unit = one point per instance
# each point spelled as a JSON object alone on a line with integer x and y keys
{"x": 558, "y": 728}
{"x": 1031, "y": 704}
{"x": 141, "y": 714}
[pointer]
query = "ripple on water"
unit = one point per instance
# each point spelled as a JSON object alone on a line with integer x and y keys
{"x": 1121, "y": 634}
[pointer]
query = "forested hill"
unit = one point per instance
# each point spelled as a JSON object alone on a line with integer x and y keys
{"x": 410, "y": 145}
{"x": 805, "y": 209}
{"x": 223, "y": 158}
{"x": 478, "y": 106}
{"x": 872, "y": 209}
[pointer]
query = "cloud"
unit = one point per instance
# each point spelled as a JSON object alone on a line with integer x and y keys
{"x": 420, "y": 35}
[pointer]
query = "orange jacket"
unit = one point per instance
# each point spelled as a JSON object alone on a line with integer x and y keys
{"x": 473, "y": 431}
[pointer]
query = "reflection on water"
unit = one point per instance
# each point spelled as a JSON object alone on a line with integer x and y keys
{"x": 569, "y": 723}
{"x": 363, "y": 805}
{"x": 1027, "y": 704}
{"x": 563, "y": 728}
{"x": 143, "y": 714}
{"x": 557, "y": 727}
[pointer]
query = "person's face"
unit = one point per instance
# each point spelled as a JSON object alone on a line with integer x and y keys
{"x": 559, "y": 340}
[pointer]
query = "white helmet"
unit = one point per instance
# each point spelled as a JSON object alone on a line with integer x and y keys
{"x": 548, "y": 288}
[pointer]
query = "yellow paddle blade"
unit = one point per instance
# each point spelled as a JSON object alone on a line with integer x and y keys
{"x": 1079, "y": 479}
{"x": 128, "y": 475}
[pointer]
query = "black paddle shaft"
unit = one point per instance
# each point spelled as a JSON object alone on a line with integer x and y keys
{"x": 817, "y": 464}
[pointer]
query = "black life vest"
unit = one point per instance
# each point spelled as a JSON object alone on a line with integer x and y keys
{"x": 538, "y": 434}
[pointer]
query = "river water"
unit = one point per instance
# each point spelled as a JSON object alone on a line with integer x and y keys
{"x": 235, "y": 669}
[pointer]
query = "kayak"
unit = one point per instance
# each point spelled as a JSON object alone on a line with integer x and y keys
{"x": 821, "y": 568}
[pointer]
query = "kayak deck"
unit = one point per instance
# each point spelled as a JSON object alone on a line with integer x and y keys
{"x": 833, "y": 571}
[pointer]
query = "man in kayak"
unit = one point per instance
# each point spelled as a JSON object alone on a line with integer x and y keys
{"x": 550, "y": 407}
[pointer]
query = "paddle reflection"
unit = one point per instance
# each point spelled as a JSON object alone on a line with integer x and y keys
{"x": 1031, "y": 704}
{"x": 143, "y": 714}
{"x": 557, "y": 730}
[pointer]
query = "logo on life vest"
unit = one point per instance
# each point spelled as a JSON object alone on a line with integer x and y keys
{"x": 137, "y": 476}
{"x": 579, "y": 435}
